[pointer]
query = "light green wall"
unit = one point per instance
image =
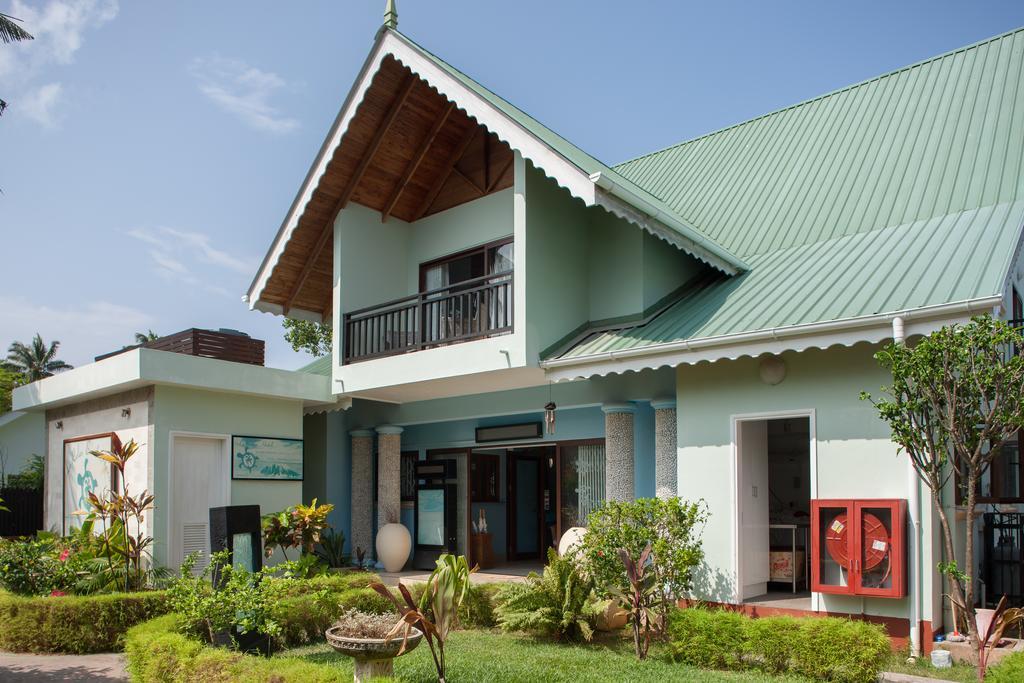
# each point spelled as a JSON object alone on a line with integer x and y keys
{"x": 556, "y": 263}
{"x": 373, "y": 257}
{"x": 854, "y": 455}
{"x": 21, "y": 437}
{"x": 207, "y": 412}
{"x": 665, "y": 268}
{"x": 616, "y": 266}
{"x": 380, "y": 261}
{"x": 468, "y": 225}
{"x": 586, "y": 265}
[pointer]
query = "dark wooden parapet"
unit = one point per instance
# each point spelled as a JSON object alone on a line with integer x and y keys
{"x": 473, "y": 309}
{"x": 234, "y": 347}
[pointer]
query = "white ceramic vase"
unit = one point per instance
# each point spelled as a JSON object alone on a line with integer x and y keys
{"x": 393, "y": 545}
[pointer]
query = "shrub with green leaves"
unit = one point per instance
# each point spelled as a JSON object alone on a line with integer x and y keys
{"x": 843, "y": 650}
{"x": 710, "y": 639}
{"x": 74, "y": 624}
{"x": 559, "y": 604}
{"x": 1009, "y": 670}
{"x": 44, "y": 565}
{"x": 672, "y": 527}
{"x": 820, "y": 648}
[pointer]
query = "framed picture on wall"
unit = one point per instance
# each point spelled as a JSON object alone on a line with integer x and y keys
{"x": 266, "y": 458}
{"x": 84, "y": 474}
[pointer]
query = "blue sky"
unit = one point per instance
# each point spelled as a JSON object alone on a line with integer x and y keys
{"x": 150, "y": 150}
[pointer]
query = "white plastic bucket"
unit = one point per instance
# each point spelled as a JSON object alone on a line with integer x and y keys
{"x": 942, "y": 659}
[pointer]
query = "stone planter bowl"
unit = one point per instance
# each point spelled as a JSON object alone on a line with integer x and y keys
{"x": 374, "y": 657}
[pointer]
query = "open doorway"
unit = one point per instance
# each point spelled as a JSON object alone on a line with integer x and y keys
{"x": 774, "y": 494}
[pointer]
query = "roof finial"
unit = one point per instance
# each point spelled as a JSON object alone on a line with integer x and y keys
{"x": 391, "y": 15}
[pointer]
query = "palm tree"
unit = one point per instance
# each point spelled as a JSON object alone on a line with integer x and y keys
{"x": 10, "y": 32}
{"x": 36, "y": 361}
{"x": 147, "y": 336}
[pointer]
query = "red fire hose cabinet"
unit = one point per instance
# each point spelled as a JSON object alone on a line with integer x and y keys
{"x": 859, "y": 547}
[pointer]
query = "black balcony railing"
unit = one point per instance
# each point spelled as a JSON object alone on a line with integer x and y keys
{"x": 473, "y": 309}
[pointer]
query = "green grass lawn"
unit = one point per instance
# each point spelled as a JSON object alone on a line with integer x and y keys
{"x": 480, "y": 656}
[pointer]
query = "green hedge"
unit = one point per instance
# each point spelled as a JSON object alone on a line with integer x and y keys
{"x": 820, "y": 648}
{"x": 155, "y": 651}
{"x": 74, "y": 624}
{"x": 1010, "y": 670}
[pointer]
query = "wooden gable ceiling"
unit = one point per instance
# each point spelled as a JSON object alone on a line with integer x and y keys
{"x": 408, "y": 153}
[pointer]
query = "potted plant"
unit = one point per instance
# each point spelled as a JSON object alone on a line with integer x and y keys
{"x": 393, "y": 541}
{"x": 371, "y": 641}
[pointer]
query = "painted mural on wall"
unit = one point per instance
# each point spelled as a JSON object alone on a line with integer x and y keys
{"x": 83, "y": 474}
{"x": 257, "y": 457}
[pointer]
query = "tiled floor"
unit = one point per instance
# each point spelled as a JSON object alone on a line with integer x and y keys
{"x": 782, "y": 600}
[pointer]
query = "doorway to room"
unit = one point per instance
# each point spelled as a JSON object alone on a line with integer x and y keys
{"x": 514, "y": 502}
{"x": 773, "y": 495}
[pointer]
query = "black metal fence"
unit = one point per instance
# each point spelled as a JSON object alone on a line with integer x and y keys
{"x": 1003, "y": 559}
{"x": 25, "y": 516}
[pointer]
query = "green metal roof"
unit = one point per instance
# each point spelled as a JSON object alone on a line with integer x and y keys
{"x": 320, "y": 366}
{"x": 900, "y": 192}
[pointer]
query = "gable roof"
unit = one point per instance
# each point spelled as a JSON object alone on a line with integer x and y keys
{"x": 580, "y": 174}
{"x": 902, "y": 192}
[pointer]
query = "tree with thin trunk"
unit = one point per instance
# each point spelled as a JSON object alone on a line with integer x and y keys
{"x": 957, "y": 396}
{"x": 11, "y": 32}
{"x": 36, "y": 360}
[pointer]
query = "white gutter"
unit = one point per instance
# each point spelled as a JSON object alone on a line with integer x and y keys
{"x": 642, "y": 204}
{"x": 939, "y": 311}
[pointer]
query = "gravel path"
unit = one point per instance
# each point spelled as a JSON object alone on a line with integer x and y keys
{"x": 39, "y": 668}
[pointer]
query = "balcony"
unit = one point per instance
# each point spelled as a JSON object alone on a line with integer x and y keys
{"x": 466, "y": 311}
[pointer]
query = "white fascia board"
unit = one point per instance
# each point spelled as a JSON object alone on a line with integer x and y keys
{"x": 845, "y": 332}
{"x": 293, "y": 312}
{"x": 145, "y": 367}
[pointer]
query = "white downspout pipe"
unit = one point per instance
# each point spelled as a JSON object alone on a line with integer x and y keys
{"x": 914, "y": 509}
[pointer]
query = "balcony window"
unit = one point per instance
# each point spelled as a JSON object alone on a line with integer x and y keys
{"x": 462, "y": 297}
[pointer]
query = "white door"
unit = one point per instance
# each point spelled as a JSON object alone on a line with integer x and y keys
{"x": 752, "y": 449}
{"x": 197, "y": 484}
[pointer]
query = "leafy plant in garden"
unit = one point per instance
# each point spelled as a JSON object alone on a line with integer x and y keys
{"x": 639, "y": 597}
{"x": 671, "y": 527}
{"x": 30, "y": 478}
{"x": 438, "y": 608}
{"x": 299, "y": 526}
{"x": 559, "y": 604}
{"x": 240, "y": 605}
{"x": 123, "y": 542}
{"x": 957, "y": 396}
{"x": 332, "y": 548}
{"x": 306, "y": 567}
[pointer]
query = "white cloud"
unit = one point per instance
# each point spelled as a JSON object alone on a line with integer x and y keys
{"x": 59, "y": 28}
{"x": 243, "y": 91}
{"x": 39, "y": 104}
{"x": 84, "y": 331}
{"x": 175, "y": 253}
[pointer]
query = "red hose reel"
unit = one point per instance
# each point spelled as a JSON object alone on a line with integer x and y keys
{"x": 874, "y": 541}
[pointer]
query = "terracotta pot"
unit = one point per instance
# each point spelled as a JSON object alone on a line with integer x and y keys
{"x": 393, "y": 545}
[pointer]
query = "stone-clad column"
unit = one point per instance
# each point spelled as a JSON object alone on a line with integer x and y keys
{"x": 618, "y": 450}
{"x": 665, "y": 445}
{"x": 362, "y": 491}
{"x": 389, "y": 473}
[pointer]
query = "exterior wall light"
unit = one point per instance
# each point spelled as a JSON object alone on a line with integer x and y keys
{"x": 772, "y": 370}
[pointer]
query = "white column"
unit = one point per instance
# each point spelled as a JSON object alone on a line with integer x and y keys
{"x": 389, "y": 474}
{"x": 618, "y": 451}
{"x": 361, "y": 498}
{"x": 665, "y": 446}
